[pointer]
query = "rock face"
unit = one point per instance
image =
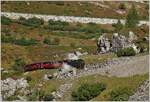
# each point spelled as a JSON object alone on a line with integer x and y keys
{"x": 119, "y": 42}
{"x": 103, "y": 44}
{"x": 142, "y": 93}
{"x": 9, "y": 86}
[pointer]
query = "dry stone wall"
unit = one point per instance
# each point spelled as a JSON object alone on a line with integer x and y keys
{"x": 67, "y": 18}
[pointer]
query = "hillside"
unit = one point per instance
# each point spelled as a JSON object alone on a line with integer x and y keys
{"x": 102, "y": 9}
{"x": 28, "y": 41}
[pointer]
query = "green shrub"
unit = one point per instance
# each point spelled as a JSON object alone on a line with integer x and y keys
{"x": 126, "y": 52}
{"x": 7, "y": 39}
{"x": 19, "y": 64}
{"x": 25, "y": 42}
{"x": 120, "y": 94}
{"x": 52, "y": 22}
{"x": 48, "y": 97}
{"x": 33, "y": 22}
{"x": 54, "y": 41}
{"x": 88, "y": 91}
{"x": 5, "y": 20}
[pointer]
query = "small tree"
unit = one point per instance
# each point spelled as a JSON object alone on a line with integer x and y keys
{"x": 132, "y": 18}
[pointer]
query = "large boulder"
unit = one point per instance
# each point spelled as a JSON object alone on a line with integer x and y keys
{"x": 103, "y": 44}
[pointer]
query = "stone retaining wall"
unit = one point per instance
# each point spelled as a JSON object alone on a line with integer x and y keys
{"x": 67, "y": 18}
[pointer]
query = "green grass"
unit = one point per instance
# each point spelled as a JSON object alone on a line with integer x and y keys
{"x": 91, "y": 59}
{"x": 132, "y": 83}
{"x": 38, "y": 53}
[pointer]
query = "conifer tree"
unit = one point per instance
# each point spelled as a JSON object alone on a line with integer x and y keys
{"x": 132, "y": 18}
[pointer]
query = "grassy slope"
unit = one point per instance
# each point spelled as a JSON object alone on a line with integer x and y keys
{"x": 111, "y": 82}
{"x": 73, "y": 8}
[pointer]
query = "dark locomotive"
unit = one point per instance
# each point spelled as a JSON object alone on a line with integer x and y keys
{"x": 54, "y": 65}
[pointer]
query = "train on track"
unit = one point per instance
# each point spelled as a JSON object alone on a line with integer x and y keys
{"x": 54, "y": 65}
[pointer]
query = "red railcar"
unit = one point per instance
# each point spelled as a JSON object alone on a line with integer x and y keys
{"x": 42, "y": 65}
{"x": 52, "y": 65}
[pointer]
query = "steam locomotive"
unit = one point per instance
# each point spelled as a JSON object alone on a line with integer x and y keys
{"x": 54, "y": 65}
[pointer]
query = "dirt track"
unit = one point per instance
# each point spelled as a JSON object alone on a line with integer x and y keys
{"x": 124, "y": 68}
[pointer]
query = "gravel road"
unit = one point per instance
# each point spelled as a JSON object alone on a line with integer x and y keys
{"x": 123, "y": 67}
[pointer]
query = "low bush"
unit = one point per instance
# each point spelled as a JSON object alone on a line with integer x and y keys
{"x": 7, "y": 39}
{"x": 25, "y": 42}
{"x": 120, "y": 94}
{"x": 126, "y": 52}
{"x": 52, "y": 22}
{"x": 33, "y": 22}
{"x": 64, "y": 26}
{"x": 5, "y": 20}
{"x": 48, "y": 97}
{"x": 18, "y": 65}
{"x": 22, "y": 41}
{"x": 88, "y": 91}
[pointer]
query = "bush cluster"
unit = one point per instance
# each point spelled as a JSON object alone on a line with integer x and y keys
{"x": 88, "y": 91}
{"x": 25, "y": 42}
{"x": 54, "y": 41}
{"x": 120, "y": 94}
{"x": 52, "y": 22}
{"x": 64, "y": 26}
{"x": 7, "y": 39}
{"x": 126, "y": 52}
{"x": 33, "y": 22}
{"x": 5, "y": 20}
{"x": 22, "y": 41}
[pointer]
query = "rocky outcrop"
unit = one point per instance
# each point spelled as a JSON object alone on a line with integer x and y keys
{"x": 142, "y": 93}
{"x": 103, "y": 44}
{"x": 9, "y": 86}
{"x": 119, "y": 42}
{"x": 68, "y": 18}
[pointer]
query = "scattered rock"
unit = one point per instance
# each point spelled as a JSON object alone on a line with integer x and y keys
{"x": 142, "y": 93}
{"x": 10, "y": 86}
